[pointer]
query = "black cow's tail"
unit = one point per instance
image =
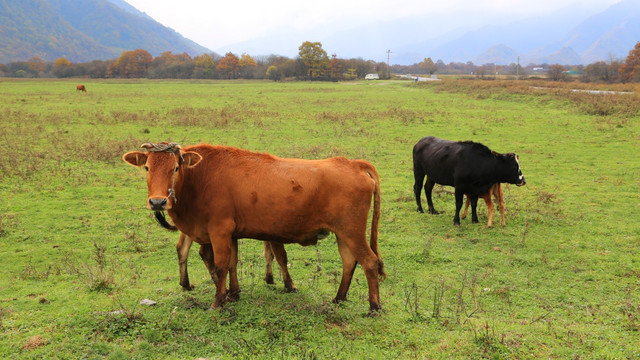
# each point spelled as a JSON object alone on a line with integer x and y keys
{"x": 162, "y": 220}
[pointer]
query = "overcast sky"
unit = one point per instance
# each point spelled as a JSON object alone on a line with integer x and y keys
{"x": 215, "y": 24}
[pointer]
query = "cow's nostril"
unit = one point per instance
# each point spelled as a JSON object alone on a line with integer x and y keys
{"x": 158, "y": 204}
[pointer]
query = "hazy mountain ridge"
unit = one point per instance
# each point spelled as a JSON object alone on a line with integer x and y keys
{"x": 82, "y": 31}
{"x": 569, "y": 36}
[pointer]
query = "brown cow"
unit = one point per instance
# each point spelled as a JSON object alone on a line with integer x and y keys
{"x": 206, "y": 253}
{"x": 218, "y": 194}
{"x": 496, "y": 191}
{"x": 81, "y": 88}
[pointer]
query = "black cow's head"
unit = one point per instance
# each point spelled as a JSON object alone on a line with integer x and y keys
{"x": 512, "y": 168}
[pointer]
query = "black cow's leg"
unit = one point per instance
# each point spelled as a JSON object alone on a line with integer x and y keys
{"x": 417, "y": 186}
{"x": 459, "y": 199}
{"x": 474, "y": 206}
{"x": 428, "y": 189}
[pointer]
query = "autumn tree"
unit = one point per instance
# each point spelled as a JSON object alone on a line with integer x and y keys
{"x": 335, "y": 68}
{"x": 557, "y": 73}
{"x": 61, "y": 67}
{"x": 36, "y": 66}
{"x": 132, "y": 64}
{"x": 428, "y": 66}
{"x": 204, "y": 66}
{"x": 314, "y": 58}
{"x": 246, "y": 64}
{"x": 228, "y": 65}
{"x": 273, "y": 73}
{"x": 630, "y": 69}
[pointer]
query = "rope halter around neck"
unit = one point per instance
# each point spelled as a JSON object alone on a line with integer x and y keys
{"x": 172, "y": 148}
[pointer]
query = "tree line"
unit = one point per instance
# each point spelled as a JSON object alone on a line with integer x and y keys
{"x": 312, "y": 63}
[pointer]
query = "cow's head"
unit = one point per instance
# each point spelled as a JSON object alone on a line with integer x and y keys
{"x": 512, "y": 168}
{"x": 162, "y": 163}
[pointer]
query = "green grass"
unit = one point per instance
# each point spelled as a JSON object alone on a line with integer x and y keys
{"x": 79, "y": 251}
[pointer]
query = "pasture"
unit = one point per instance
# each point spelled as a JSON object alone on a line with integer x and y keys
{"x": 79, "y": 250}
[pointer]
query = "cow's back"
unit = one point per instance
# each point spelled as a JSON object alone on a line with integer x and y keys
{"x": 269, "y": 196}
{"x": 437, "y": 158}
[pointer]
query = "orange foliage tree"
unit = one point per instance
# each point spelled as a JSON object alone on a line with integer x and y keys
{"x": 630, "y": 70}
{"x": 61, "y": 67}
{"x": 132, "y": 64}
{"x": 246, "y": 63}
{"x": 228, "y": 65}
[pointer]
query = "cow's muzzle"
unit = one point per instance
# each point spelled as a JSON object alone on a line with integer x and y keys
{"x": 522, "y": 182}
{"x": 157, "y": 204}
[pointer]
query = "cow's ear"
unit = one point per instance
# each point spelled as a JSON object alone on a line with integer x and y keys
{"x": 191, "y": 159}
{"x": 495, "y": 153}
{"x": 135, "y": 158}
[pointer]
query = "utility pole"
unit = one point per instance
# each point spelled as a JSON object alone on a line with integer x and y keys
{"x": 518, "y": 69}
{"x": 388, "y": 68}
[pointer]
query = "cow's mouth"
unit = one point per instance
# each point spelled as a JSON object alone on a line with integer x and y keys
{"x": 521, "y": 183}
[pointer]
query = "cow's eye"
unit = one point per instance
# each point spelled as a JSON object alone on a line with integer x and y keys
{"x": 176, "y": 169}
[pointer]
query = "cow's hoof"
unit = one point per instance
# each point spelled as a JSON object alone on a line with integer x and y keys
{"x": 188, "y": 288}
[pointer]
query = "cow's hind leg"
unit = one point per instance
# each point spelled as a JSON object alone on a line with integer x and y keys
{"x": 487, "y": 200}
{"x": 183, "y": 247}
{"x": 428, "y": 189}
{"x": 281, "y": 257}
{"x": 418, "y": 176}
{"x": 353, "y": 250}
{"x": 348, "y": 268}
{"x": 234, "y": 286}
{"x": 268, "y": 262}
{"x": 206, "y": 254}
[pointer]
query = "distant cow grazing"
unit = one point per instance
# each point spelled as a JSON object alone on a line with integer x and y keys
{"x": 496, "y": 191}
{"x": 471, "y": 168}
{"x": 217, "y": 195}
{"x": 81, "y": 88}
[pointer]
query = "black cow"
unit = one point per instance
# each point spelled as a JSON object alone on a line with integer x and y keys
{"x": 470, "y": 167}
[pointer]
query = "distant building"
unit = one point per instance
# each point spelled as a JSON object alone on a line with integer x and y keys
{"x": 372, "y": 77}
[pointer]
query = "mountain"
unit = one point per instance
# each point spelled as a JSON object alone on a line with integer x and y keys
{"x": 566, "y": 37}
{"x": 496, "y": 54}
{"x": 82, "y": 31}
{"x": 570, "y": 35}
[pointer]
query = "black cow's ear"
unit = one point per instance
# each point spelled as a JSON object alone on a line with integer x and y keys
{"x": 495, "y": 153}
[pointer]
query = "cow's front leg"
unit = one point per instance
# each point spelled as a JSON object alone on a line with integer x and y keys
{"x": 459, "y": 200}
{"x": 474, "y": 208}
{"x": 183, "y": 246}
{"x": 222, "y": 245}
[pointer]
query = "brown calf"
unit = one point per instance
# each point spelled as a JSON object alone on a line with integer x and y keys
{"x": 81, "y": 88}
{"x": 496, "y": 191}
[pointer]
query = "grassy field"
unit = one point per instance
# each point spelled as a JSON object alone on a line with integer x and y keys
{"x": 79, "y": 250}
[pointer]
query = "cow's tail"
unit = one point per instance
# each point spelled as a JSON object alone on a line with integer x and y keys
{"x": 375, "y": 220}
{"x": 162, "y": 220}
